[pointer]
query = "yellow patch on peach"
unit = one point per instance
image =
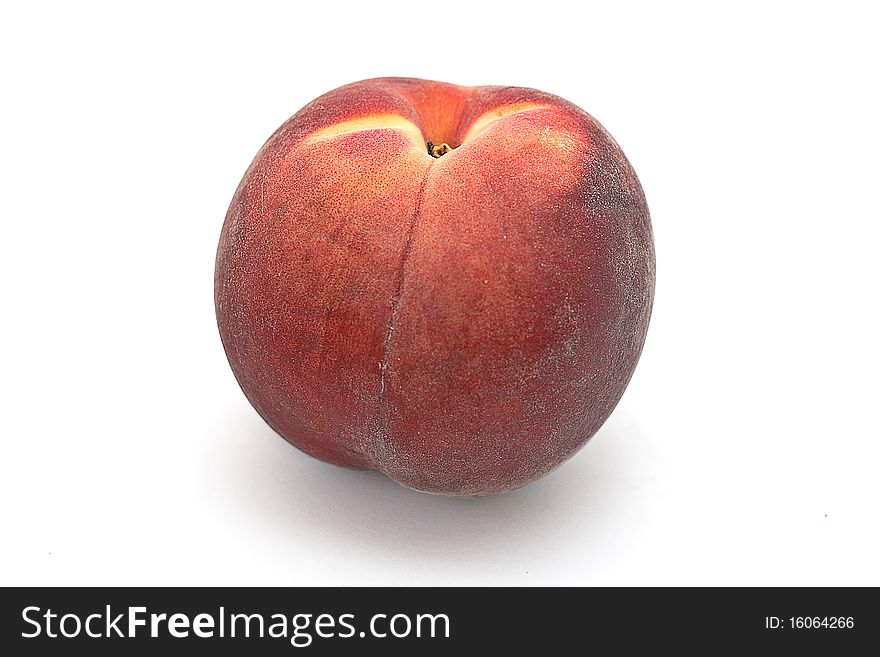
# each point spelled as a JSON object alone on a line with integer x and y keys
{"x": 375, "y": 122}
{"x": 494, "y": 115}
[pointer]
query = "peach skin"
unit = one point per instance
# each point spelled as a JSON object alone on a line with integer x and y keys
{"x": 450, "y": 285}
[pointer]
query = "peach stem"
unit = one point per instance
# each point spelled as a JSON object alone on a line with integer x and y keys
{"x": 437, "y": 151}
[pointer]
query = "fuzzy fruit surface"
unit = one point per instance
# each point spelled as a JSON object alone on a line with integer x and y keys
{"x": 450, "y": 285}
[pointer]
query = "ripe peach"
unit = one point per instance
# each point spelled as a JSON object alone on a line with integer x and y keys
{"x": 450, "y": 285}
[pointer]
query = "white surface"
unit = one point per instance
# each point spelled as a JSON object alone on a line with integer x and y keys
{"x": 744, "y": 452}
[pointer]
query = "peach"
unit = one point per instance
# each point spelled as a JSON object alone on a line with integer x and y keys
{"x": 450, "y": 285}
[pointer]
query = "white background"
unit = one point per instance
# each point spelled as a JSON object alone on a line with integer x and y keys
{"x": 744, "y": 452}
